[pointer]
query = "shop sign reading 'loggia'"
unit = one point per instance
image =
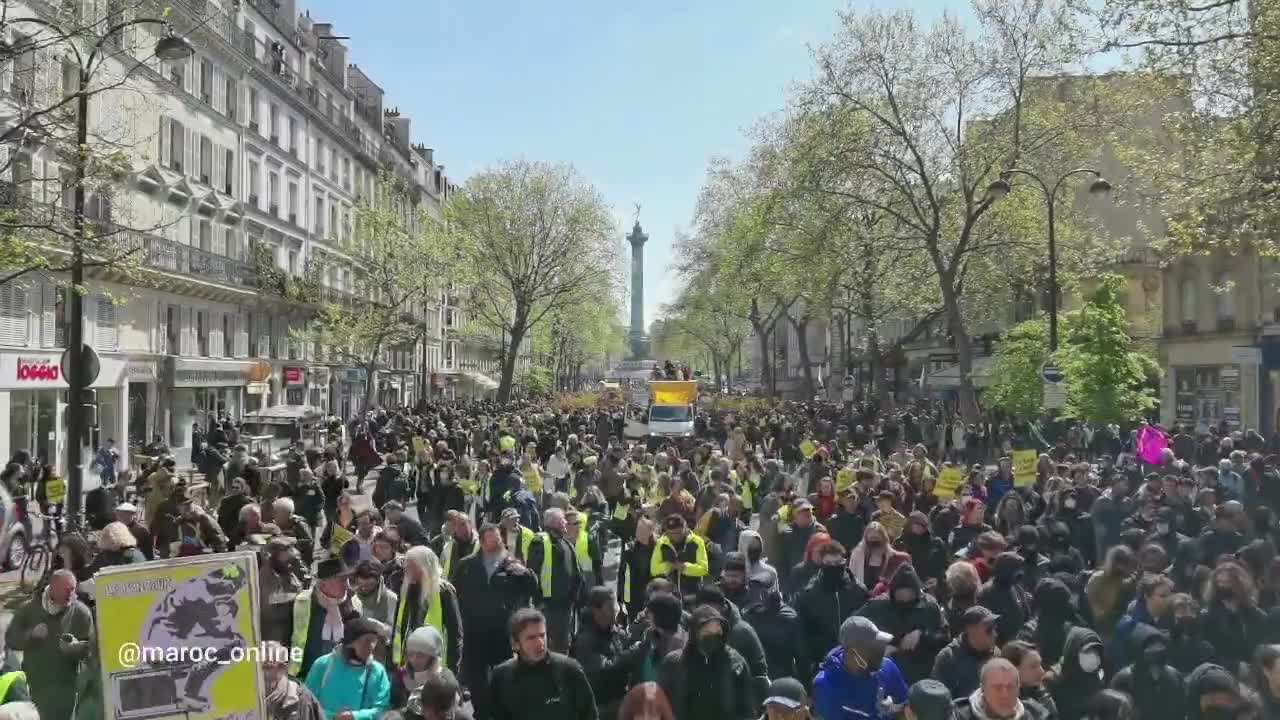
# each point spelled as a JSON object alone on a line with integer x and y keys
{"x": 38, "y": 370}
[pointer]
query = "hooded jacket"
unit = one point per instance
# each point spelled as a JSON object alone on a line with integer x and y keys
{"x": 843, "y": 695}
{"x": 899, "y": 619}
{"x": 782, "y": 635}
{"x": 1070, "y": 686}
{"x": 743, "y": 638}
{"x": 1157, "y": 691}
{"x": 1054, "y": 618}
{"x": 762, "y": 571}
{"x": 698, "y": 686}
{"x": 928, "y": 553}
{"x": 1003, "y": 595}
{"x": 1206, "y": 679}
{"x": 823, "y": 606}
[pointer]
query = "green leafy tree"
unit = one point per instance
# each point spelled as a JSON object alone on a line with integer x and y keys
{"x": 1017, "y": 386}
{"x": 1106, "y": 371}
{"x": 393, "y": 245}
{"x": 533, "y": 238}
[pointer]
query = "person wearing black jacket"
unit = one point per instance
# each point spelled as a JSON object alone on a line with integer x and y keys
{"x": 830, "y": 598}
{"x": 1188, "y": 649}
{"x": 1155, "y": 686}
{"x": 1003, "y": 595}
{"x": 780, "y": 631}
{"x": 914, "y": 619}
{"x": 1077, "y": 676}
{"x": 958, "y": 664}
{"x": 742, "y": 637}
{"x": 1054, "y": 618}
{"x": 928, "y": 553}
{"x": 707, "y": 679}
{"x": 487, "y": 599}
{"x": 561, "y": 582}
{"x": 849, "y": 522}
{"x": 1232, "y": 621}
{"x": 633, "y": 567}
{"x": 537, "y": 684}
{"x": 600, "y": 647}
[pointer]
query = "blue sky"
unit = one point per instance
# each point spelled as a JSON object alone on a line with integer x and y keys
{"x": 638, "y": 98}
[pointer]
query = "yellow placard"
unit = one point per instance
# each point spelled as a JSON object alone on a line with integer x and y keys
{"x": 183, "y": 639}
{"x": 807, "y": 448}
{"x": 55, "y": 491}
{"x": 845, "y": 477}
{"x": 1024, "y": 467}
{"x": 949, "y": 480}
{"x": 341, "y": 536}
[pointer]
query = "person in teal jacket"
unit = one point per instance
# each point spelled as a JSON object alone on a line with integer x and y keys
{"x": 349, "y": 683}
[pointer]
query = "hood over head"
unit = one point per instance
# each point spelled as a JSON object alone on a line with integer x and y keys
{"x": 744, "y": 540}
{"x": 704, "y": 614}
{"x": 1028, "y": 537}
{"x": 1078, "y": 638}
{"x": 921, "y": 519}
{"x": 1008, "y": 565}
{"x": 906, "y": 577}
{"x": 1053, "y": 598}
{"x": 1142, "y": 636}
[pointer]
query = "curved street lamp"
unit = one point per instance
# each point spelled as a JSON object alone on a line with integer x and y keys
{"x": 1001, "y": 187}
{"x": 170, "y": 46}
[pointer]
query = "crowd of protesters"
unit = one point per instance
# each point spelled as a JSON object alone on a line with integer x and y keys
{"x": 789, "y": 560}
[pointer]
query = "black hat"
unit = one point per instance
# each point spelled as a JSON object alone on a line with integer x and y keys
{"x": 331, "y": 568}
{"x": 787, "y": 692}
{"x": 930, "y": 700}
{"x": 361, "y": 626}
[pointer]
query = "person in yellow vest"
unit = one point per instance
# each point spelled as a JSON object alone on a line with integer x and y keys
{"x": 586, "y": 546}
{"x": 553, "y": 560}
{"x": 633, "y": 567}
{"x": 681, "y": 554}
{"x": 458, "y": 542}
{"x": 426, "y": 600}
{"x": 515, "y": 536}
{"x": 319, "y": 615}
{"x": 13, "y": 685}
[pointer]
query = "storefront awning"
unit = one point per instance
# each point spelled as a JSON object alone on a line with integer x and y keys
{"x": 949, "y": 377}
{"x": 481, "y": 379}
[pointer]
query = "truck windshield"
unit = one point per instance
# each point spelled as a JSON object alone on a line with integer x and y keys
{"x": 669, "y": 413}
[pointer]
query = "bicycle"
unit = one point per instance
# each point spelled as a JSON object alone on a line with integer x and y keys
{"x": 38, "y": 562}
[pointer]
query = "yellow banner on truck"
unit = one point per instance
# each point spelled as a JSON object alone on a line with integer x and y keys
{"x": 180, "y": 639}
{"x": 673, "y": 392}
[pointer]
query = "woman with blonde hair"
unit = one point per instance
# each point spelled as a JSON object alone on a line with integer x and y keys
{"x": 117, "y": 546}
{"x": 426, "y": 598}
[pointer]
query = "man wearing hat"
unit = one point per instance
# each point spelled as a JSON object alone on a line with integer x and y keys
{"x": 958, "y": 664}
{"x": 127, "y": 513}
{"x": 349, "y": 681}
{"x": 786, "y": 700}
{"x": 929, "y": 700}
{"x": 856, "y": 677}
{"x": 680, "y": 556}
{"x": 793, "y": 540}
{"x": 515, "y": 536}
{"x": 281, "y": 576}
{"x": 320, "y": 613}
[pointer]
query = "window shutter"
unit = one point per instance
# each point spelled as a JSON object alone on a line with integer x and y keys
{"x": 104, "y": 337}
{"x": 215, "y": 333}
{"x": 166, "y": 127}
{"x": 161, "y": 346}
{"x": 219, "y": 90}
{"x": 184, "y": 332}
{"x": 191, "y": 152}
{"x": 219, "y": 160}
{"x": 242, "y": 337}
{"x": 48, "y": 315}
{"x": 219, "y": 242}
{"x": 13, "y": 315}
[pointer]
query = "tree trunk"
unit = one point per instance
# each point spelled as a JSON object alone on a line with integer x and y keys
{"x": 762, "y": 336}
{"x": 964, "y": 351}
{"x": 512, "y": 353}
{"x": 370, "y": 387}
{"x": 801, "y": 327}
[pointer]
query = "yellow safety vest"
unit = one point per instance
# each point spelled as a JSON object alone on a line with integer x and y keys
{"x": 582, "y": 550}
{"x": 526, "y": 539}
{"x": 7, "y": 680}
{"x": 506, "y": 442}
{"x": 301, "y": 623}
{"x": 434, "y": 617}
{"x": 532, "y": 479}
{"x": 545, "y": 578}
{"x": 447, "y": 553}
{"x": 621, "y": 512}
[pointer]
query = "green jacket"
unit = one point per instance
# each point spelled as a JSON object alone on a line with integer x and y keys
{"x": 47, "y": 665}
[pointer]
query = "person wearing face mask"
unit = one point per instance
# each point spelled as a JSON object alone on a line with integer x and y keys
{"x": 708, "y": 679}
{"x": 831, "y": 596}
{"x": 741, "y": 636}
{"x": 1188, "y": 650}
{"x": 915, "y": 621}
{"x": 1232, "y": 621}
{"x": 1004, "y": 595}
{"x": 873, "y": 559}
{"x": 778, "y": 627}
{"x": 421, "y": 660}
{"x": 1055, "y": 616}
{"x": 1078, "y": 675}
{"x": 957, "y": 664}
{"x": 1165, "y": 533}
{"x": 928, "y": 553}
{"x": 1035, "y": 564}
{"x": 751, "y": 545}
{"x": 855, "y": 679}
{"x": 1214, "y": 694}
{"x": 1155, "y": 686}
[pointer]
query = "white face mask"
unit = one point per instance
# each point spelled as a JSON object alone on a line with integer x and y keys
{"x": 1070, "y": 504}
{"x": 1090, "y": 661}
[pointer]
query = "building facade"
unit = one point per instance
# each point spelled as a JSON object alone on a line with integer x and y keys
{"x": 250, "y": 155}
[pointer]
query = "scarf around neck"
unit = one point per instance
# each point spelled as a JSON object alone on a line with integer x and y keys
{"x": 332, "y": 630}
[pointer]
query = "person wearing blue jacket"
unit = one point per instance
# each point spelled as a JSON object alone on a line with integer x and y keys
{"x": 349, "y": 683}
{"x": 856, "y": 680}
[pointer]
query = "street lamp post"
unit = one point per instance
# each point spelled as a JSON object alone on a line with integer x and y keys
{"x": 1001, "y": 187}
{"x": 169, "y": 47}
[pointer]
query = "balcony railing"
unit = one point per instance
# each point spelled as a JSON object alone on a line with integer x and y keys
{"x": 169, "y": 256}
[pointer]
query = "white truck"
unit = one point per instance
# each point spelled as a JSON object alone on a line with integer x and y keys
{"x": 669, "y": 413}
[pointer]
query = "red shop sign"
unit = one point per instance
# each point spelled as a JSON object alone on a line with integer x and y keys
{"x": 295, "y": 376}
{"x": 38, "y": 370}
